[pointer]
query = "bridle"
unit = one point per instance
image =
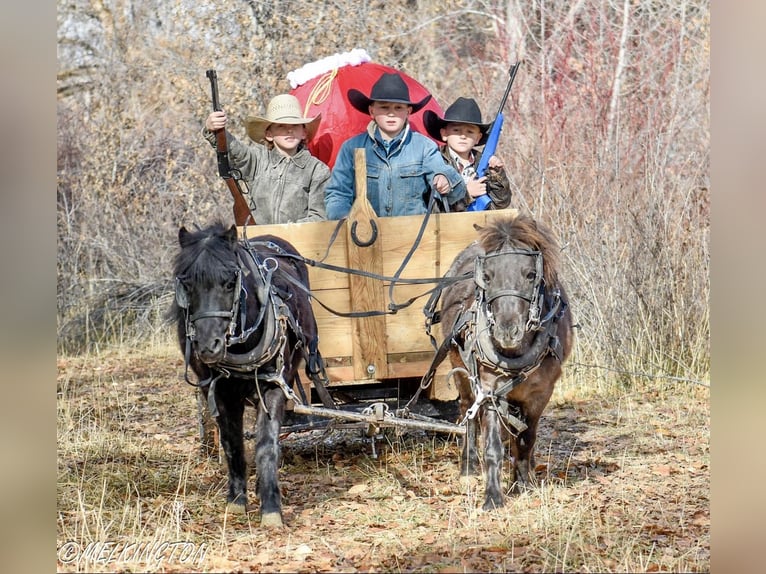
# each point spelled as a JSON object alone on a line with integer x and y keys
{"x": 471, "y": 336}
{"x": 182, "y": 300}
{"x": 274, "y": 316}
{"x": 486, "y": 294}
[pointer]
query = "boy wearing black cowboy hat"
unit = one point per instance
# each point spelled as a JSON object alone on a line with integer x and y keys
{"x": 402, "y": 165}
{"x": 285, "y": 183}
{"x": 462, "y": 130}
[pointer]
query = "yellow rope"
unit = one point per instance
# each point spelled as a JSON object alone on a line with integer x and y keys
{"x": 320, "y": 91}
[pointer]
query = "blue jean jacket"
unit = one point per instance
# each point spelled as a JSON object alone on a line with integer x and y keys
{"x": 399, "y": 175}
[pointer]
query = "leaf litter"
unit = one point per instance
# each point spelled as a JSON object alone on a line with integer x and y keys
{"x": 618, "y": 492}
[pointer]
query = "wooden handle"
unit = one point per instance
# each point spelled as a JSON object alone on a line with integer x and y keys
{"x": 360, "y": 168}
{"x": 362, "y": 219}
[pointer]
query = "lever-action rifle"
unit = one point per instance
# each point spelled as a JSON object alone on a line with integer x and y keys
{"x": 242, "y": 213}
{"x": 483, "y": 201}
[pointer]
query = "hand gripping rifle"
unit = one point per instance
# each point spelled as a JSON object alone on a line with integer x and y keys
{"x": 242, "y": 213}
{"x": 483, "y": 201}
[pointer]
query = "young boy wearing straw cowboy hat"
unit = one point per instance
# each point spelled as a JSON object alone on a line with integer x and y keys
{"x": 285, "y": 183}
{"x": 402, "y": 165}
{"x": 462, "y": 130}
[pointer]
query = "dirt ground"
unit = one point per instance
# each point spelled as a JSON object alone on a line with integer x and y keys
{"x": 624, "y": 487}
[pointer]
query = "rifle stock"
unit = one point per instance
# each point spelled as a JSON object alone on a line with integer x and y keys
{"x": 242, "y": 213}
{"x": 491, "y": 145}
{"x": 497, "y": 125}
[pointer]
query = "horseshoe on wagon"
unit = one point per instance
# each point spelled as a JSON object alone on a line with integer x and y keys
{"x": 372, "y": 238}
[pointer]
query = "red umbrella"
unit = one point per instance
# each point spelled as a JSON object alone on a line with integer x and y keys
{"x": 326, "y": 93}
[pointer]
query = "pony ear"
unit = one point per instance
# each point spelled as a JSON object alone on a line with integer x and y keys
{"x": 183, "y": 234}
{"x": 231, "y": 234}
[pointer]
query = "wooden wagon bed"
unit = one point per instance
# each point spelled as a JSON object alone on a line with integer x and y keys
{"x": 368, "y": 349}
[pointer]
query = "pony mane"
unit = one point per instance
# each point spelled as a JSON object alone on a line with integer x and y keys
{"x": 522, "y": 231}
{"x": 207, "y": 254}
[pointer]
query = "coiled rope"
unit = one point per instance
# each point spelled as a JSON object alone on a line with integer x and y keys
{"x": 320, "y": 91}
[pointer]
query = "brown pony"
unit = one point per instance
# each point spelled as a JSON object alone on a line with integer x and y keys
{"x": 509, "y": 331}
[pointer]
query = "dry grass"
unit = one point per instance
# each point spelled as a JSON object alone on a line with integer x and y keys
{"x": 625, "y": 485}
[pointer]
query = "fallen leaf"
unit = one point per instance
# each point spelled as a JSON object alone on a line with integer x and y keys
{"x": 302, "y": 551}
{"x": 701, "y": 518}
{"x": 662, "y": 470}
{"x": 357, "y": 488}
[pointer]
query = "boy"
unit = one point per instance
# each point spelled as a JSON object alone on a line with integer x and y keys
{"x": 462, "y": 130}
{"x": 285, "y": 183}
{"x": 402, "y": 166}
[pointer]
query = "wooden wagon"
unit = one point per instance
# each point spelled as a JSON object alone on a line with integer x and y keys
{"x": 384, "y": 347}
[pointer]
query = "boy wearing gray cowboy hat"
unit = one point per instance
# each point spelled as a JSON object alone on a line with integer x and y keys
{"x": 402, "y": 165}
{"x": 462, "y": 130}
{"x": 284, "y": 182}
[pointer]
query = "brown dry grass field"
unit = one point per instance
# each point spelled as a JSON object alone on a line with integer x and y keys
{"x": 625, "y": 484}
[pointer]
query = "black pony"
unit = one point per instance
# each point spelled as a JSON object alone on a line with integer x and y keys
{"x": 244, "y": 323}
{"x": 508, "y": 330}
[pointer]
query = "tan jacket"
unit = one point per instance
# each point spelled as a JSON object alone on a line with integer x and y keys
{"x": 281, "y": 189}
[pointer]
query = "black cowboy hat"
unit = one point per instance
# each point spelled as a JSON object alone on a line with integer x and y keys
{"x": 390, "y": 87}
{"x": 463, "y": 111}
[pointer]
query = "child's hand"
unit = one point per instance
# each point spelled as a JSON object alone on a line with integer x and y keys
{"x": 477, "y": 187}
{"x": 216, "y": 121}
{"x": 495, "y": 162}
{"x": 441, "y": 184}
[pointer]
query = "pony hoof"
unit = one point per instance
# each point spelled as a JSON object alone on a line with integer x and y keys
{"x": 521, "y": 487}
{"x": 469, "y": 471}
{"x": 271, "y": 520}
{"x": 492, "y": 504}
{"x": 236, "y": 508}
{"x": 469, "y": 482}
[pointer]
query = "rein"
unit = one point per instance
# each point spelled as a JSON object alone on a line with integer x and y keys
{"x": 393, "y": 307}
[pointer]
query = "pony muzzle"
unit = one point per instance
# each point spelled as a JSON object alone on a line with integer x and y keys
{"x": 210, "y": 333}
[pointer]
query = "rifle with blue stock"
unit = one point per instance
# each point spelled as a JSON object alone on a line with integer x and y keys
{"x": 483, "y": 201}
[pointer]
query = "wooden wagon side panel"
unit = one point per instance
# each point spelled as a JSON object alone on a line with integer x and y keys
{"x": 408, "y": 349}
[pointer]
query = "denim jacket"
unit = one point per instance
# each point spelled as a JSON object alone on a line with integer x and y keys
{"x": 399, "y": 175}
{"x": 282, "y": 189}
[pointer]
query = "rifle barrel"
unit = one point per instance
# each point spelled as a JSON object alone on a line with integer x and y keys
{"x": 512, "y": 73}
{"x": 213, "y": 77}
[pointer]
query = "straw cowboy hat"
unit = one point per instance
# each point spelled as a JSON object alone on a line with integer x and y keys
{"x": 389, "y": 88}
{"x": 463, "y": 111}
{"x": 282, "y": 109}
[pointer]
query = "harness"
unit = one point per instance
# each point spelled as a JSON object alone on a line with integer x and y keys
{"x": 471, "y": 336}
{"x": 275, "y": 316}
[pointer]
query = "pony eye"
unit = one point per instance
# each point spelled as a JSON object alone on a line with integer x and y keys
{"x": 230, "y": 285}
{"x": 531, "y": 275}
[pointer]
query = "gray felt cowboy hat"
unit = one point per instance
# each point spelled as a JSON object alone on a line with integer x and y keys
{"x": 282, "y": 109}
{"x": 463, "y": 111}
{"x": 390, "y": 87}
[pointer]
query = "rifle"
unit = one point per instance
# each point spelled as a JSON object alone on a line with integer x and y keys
{"x": 483, "y": 201}
{"x": 242, "y": 213}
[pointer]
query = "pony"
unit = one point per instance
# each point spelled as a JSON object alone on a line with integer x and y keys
{"x": 244, "y": 322}
{"x": 507, "y": 333}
